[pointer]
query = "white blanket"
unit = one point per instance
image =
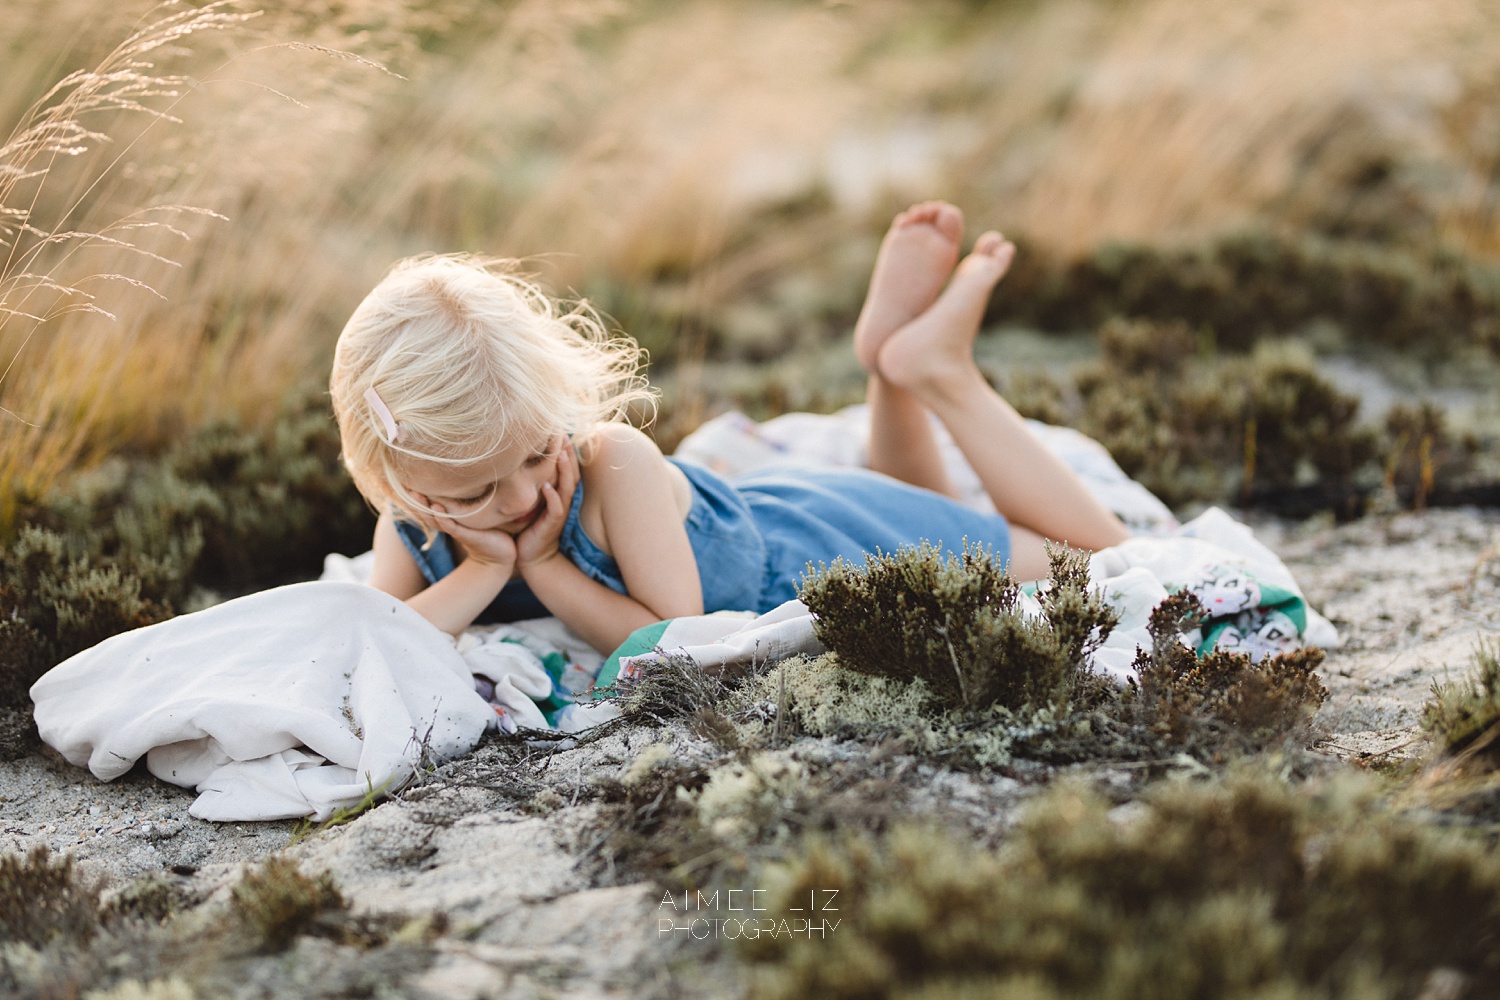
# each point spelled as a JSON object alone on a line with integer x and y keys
{"x": 289, "y": 702}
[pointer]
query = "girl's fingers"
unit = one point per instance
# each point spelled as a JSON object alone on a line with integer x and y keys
{"x": 568, "y": 471}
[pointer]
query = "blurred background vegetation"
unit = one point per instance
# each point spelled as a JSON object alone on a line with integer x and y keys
{"x": 1300, "y": 200}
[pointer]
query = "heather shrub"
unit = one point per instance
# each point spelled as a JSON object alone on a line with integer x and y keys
{"x": 1234, "y": 889}
{"x": 62, "y": 936}
{"x": 278, "y": 902}
{"x": 56, "y": 598}
{"x": 1221, "y": 697}
{"x": 1419, "y": 448}
{"x": 1246, "y": 286}
{"x": 1464, "y": 716}
{"x": 1202, "y": 429}
{"x": 229, "y": 508}
{"x": 960, "y": 624}
{"x": 42, "y": 898}
{"x": 939, "y": 656}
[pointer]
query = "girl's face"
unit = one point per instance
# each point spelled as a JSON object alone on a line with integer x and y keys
{"x": 501, "y": 492}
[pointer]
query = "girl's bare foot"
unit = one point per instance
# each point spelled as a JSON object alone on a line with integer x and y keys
{"x": 938, "y": 345}
{"x": 916, "y": 257}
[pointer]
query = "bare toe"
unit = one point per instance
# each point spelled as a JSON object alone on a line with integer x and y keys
{"x": 916, "y": 257}
{"x": 945, "y": 218}
{"x": 990, "y": 258}
{"x": 939, "y": 343}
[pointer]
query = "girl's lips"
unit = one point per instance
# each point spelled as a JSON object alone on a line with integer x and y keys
{"x": 525, "y": 519}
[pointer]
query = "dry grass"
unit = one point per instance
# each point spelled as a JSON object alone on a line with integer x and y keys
{"x": 127, "y": 313}
{"x": 720, "y": 162}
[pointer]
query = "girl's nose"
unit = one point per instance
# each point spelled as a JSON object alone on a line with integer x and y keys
{"x": 517, "y": 498}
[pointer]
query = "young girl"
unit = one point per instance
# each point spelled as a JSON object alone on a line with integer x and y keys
{"x": 487, "y": 427}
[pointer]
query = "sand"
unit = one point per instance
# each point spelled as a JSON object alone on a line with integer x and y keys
{"x": 529, "y": 912}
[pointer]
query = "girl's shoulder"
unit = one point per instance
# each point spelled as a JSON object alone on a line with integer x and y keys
{"x": 625, "y": 476}
{"x": 612, "y": 446}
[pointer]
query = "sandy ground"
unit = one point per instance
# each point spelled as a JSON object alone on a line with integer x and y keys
{"x": 1410, "y": 593}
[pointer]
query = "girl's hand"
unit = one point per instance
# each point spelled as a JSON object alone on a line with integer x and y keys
{"x": 537, "y": 542}
{"x": 491, "y": 547}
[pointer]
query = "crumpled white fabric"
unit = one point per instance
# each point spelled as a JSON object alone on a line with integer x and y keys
{"x": 293, "y": 701}
{"x": 509, "y": 659}
{"x": 720, "y": 641}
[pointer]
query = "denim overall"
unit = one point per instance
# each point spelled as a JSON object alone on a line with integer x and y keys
{"x": 756, "y": 535}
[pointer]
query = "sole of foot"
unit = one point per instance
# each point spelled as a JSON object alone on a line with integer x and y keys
{"x": 940, "y": 341}
{"x": 916, "y": 258}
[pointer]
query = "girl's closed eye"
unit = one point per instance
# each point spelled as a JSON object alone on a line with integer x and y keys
{"x": 543, "y": 453}
{"x": 471, "y": 501}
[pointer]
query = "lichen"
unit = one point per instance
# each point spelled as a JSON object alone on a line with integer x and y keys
{"x": 742, "y": 802}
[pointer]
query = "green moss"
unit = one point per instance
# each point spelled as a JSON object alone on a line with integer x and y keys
{"x": 1236, "y": 889}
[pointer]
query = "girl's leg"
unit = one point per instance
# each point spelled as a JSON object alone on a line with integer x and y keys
{"x": 932, "y": 359}
{"x": 916, "y": 258}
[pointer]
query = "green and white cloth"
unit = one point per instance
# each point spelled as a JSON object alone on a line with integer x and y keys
{"x": 1252, "y": 603}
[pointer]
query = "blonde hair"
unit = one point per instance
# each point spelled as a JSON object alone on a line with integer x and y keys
{"x": 467, "y": 356}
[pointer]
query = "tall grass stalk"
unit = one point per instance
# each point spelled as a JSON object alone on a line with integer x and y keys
{"x": 127, "y": 309}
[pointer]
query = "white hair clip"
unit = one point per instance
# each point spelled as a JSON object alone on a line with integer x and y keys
{"x": 392, "y": 430}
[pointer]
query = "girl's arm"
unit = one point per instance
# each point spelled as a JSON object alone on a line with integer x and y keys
{"x": 453, "y": 602}
{"x": 643, "y": 532}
